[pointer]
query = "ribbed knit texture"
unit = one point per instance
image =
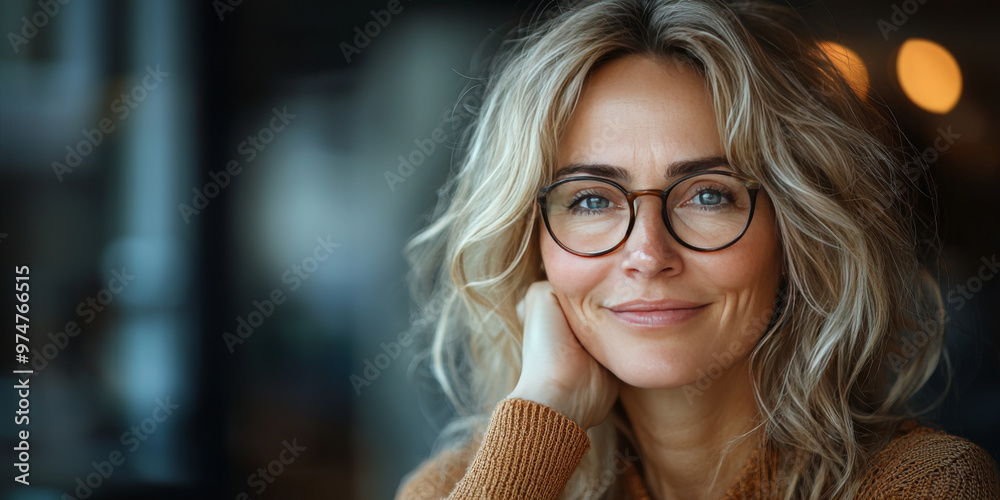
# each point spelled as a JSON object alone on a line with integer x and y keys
{"x": 530, "y": 451}
{"x": 925, "y": 463}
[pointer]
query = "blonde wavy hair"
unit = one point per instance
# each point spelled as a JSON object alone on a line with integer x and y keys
{"x": 859, "y": 327}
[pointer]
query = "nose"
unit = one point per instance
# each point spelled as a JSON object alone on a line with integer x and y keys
{"x": 650, "y": 249}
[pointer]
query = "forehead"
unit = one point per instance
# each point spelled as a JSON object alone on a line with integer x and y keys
{"x": 641, "y": 114}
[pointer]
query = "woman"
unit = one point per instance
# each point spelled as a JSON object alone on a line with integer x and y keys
{"x": 712, "y": 245}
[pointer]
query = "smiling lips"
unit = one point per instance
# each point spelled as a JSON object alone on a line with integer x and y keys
{"x": 655, "y": 314}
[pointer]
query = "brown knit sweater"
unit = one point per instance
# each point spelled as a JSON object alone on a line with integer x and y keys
{"x": 530, "y": 451}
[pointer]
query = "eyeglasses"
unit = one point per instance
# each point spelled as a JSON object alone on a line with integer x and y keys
{"x": 593, "y": 216}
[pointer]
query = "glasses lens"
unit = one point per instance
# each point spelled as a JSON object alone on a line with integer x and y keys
{"x": 708, "y": 211}
{"x": 587, "y": 216}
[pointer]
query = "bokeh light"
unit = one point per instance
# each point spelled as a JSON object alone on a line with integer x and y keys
{"x": 849, "y": 64}
{"x": 929, "y": 75}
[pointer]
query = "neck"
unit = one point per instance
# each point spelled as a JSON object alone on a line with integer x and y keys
{"x": 683, "y": 433}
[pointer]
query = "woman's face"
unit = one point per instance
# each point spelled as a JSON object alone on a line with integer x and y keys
{"x": 644, "y": 117}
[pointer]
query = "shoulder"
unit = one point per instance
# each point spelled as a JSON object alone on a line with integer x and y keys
{"x": 435, "y": 477}
{"x": 921, "y": 462}
{"x": 527, "y": 448}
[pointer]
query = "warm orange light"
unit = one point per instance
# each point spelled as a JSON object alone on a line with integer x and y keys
{"x": 849, "y": 64}
{"x": 929, "y": 75}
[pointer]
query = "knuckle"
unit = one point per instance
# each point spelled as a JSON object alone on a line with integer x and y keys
{"x": 538, "y": 288}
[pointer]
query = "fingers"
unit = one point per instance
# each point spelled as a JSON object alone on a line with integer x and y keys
{"x": 533, "y": 291}
{"x": 556, "y": 369}
{"x": 548, "y": 338}
{"x": 542, "y": 315}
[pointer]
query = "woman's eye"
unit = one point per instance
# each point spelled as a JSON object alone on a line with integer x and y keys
{"x": 595, "y": 202}
{"x": 709, "y": 197}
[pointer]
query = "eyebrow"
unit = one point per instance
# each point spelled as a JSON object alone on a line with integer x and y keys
{"x": 677, "y": 168}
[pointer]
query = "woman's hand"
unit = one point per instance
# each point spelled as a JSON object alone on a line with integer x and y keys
{"x": 556, "y": 370}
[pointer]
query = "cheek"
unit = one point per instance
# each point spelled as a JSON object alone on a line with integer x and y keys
{"x": 571, "y": 276}
{"x": 574, "y": 280}
{"x": 747, "y": 277}
{"x": 747, "y": 270}
{"x": 743, "y": 280}
{"x": 753, "y": 264}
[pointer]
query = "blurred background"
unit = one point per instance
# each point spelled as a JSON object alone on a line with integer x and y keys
{"x": 212, "y": 198}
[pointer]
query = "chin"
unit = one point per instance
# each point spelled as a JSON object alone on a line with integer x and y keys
{"x": 655, "y": 367}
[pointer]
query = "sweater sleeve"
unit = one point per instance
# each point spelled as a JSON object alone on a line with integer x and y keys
{"x": 528, "y": 451}
{"x": 926, "y": 463}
